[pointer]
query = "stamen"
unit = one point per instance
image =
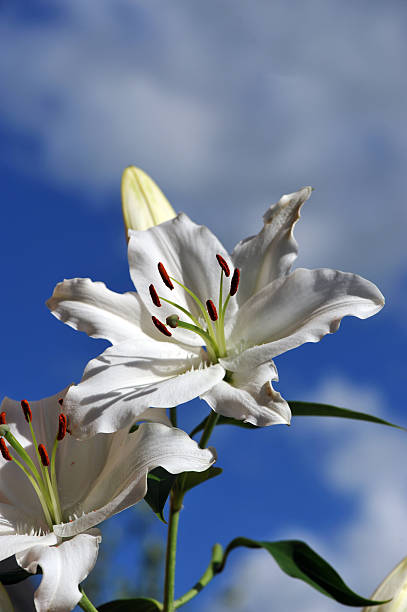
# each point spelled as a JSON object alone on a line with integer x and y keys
{"x": 166, "y": 279}
{"x": 154, "y": 296}
{"x": 161, "y": 327}
{"x": 27, "y": 410}
{"x": 3, "y": 418}
{"x": 44, "y": 455}
{"x": 223, "y": 264}
{"x": 61, "y": 401}
{"x": 4, "y": 450}
{"x": 212, "y": 310}
{"x": 234, "y": 283}
{"x": 172, "y": 321}
{"x": 63, "y": 422}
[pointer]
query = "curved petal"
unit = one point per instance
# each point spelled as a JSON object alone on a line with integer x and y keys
{"x": 250, "y": 397}
{"x": 298, "y": 308}
{"x": 92, "y": 308}
{"x": 128, "y": 378}
{"x": 64, "y": 567}
{"x": 15, "y": 543}
{"x": 270, "y": 254}
{"x": 188, "y": 252}
{"x": 123, "y": 482}
{"x": 393, "y": 587}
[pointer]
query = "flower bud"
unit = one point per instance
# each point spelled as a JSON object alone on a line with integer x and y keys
{"x": 393, "y": 587}
{"x": 143, "y": 203}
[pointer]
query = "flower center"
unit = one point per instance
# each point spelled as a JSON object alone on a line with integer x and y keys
{"x": 211, "y": 325}
{"x": 43, "y": 480}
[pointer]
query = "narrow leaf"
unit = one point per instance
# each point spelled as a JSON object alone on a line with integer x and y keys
{"x": 140, "y": 604}
{"x": 325, "y": 410}
{"x": 159, "y": 484}
{"x": 192, "y": 479}
{"x": 298, "y": 560}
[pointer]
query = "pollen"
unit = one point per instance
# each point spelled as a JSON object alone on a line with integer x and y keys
{"x": 223, "y": 264}
{"x": 154, "y": 296}
{"x": 234, "y": 284}
{"x": 44, "y": 455}
{"x": 4, "y": 450}
{"x": 62, "y": 424}
{"x": 161, "y": 327}
{"x": 27, "y": 410}
{"x": 164, "y": 275}
{"x": 211, "y": 308}
{"x": 3, "y": 418}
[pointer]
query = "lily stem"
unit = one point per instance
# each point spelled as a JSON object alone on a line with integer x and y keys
{"x": 210, "y": 572}
{"x": 209, "y": 427}
{"x": 86, "y": 604}
{"x": 169, "y": 584}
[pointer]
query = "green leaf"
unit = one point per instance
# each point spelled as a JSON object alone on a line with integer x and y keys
{"x": 192, "y": 479}
{"x": 159, "y": 484}
{"x": 222, "y": 420}
{"x": 325, "y": 410}
{"x": 12, "y": 573}
{"x": 298, "y": 560}
{"x": 141, "y": 604}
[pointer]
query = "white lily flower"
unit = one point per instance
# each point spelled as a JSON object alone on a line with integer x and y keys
{"x": 393, "y": 587}
{"x": 221, "y": 334}
{"x": 50, "y": 503}
{"x": 143, "y": 202}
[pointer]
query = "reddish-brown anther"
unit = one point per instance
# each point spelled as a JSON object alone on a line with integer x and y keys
{"x": 164, "y": 275}
{"x": 61, "y": 401}
{"x": 161, "y": 327}
{"x": 27, "y": 411}
{"x": 223, "y": 264}
{"x": 3, "y": 418}
{"x": 4, "y": 450}
{"x": 154, "y": 296}
{"x": 234, "y": 283}
{"x": 44, "y": 455}
{"x": 212, "y": 310}
{"x": 63, "y": 422}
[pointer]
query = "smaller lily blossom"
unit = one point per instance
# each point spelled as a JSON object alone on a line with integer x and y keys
{"x": 204, "y": 323}
{"x": 52, "y": 495}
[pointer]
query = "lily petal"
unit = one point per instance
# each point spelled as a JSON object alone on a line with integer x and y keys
{"x": 64, "y": 567}
{"x": 250, "y": 397}
{"x": 14, "y": 543}
{"x": 188, "y": 252}
{"x": 299, "y": 308}
{"x": 91, "y": 307}
{"x": 393, "y": 587}
{"x": 271, "y": 253}
{"x": 123, "y": 481}
{"x": 122, "y": 383}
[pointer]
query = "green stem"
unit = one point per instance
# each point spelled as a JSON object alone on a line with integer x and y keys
{"x": 173, "y": 416}
{"x": 86, "y": 604}
{"x": 210, "y": 424}
{"x": 210, "y": 572}
{"x": 169, "y": 584}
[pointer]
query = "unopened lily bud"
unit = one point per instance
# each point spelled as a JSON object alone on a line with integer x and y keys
{"x": 393, "y": 587}
{"x": 143, "y": 203}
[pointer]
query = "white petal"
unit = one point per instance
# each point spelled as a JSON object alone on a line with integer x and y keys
{"x": 15, "y": 543}
{"x": 298, "y": 308}
{"x": 64, "y": 567}
{"x": 188, "y": 252}
{"x": 92, "y": 308}
{"x": 270, "y": 254}
{"x": 250, "y": 397}
{"x": 393, "y": 587}
{"x": 123, "y": 481}
{"x": 128, "y": 378}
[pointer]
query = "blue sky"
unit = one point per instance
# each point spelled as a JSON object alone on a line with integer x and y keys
{"x": 227, "y": 106}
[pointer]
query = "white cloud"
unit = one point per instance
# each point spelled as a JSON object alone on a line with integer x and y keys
{"x": 228, "y": 106}
{"x": 368, "y": 466}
